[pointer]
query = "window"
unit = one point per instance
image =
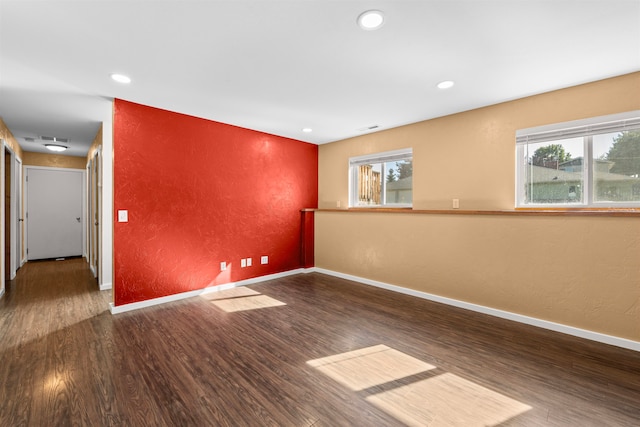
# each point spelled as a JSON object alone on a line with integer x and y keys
{"x": 383, "y": 179}
{"x": 586, "y": 163}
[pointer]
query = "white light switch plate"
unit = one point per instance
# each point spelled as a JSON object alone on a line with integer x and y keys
{"x": 123, "y": 216}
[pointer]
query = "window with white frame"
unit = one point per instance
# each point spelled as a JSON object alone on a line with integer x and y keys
{"x": 382, "y": 179}
{"x": 585, "y": 163}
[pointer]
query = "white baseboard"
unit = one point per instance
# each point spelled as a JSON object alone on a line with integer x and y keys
{"x": 1, "y": 292}
{"x": 557, "y": 327}
{"x": 176, "y": 297}
{"x": 105, "y": 286}
{"x": 545, "y": 324}
{"x": 93, "y": 270}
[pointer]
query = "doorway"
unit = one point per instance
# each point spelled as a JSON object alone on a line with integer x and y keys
{"x": 54, "y": 212}
{"x": 12, "y": 212}
{"x": 17, "y": 257}
{"x": 8, "y": 181}
{"x": 94, "y": 217}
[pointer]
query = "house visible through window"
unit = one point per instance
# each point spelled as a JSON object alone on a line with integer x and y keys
{"x": 593, "y": 162}
{"x": 383, "y": 179}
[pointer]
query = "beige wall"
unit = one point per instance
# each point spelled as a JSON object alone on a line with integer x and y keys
{"x": 582, "y": 272}
{"x": 97, "y": 143}
{"x": 6, "y": 134}
{"x": 53, "y": 160}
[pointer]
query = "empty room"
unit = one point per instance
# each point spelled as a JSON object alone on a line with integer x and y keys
{"x": 320, "y": 213}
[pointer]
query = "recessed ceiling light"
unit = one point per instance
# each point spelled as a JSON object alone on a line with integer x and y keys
{"x": 371, "y": 20}
{"x": 307, "y": 130}
{"x": 55, "y": 147}
{"x": 121, "y": 78}
{"x": 445, "y": 84}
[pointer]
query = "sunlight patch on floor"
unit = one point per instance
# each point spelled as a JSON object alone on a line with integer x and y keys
{"x": 442, "y": 400}
{"x": 368, "y": 367}
{"x": 240, "y": 291}
{"x": 447, "y": 400}
{"x": 241, "y": 299}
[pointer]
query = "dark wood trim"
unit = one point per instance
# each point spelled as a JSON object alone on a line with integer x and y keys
{"x": 634, "y": 213}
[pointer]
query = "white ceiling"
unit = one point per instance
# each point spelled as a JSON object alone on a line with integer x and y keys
{"x": 280, "y": 66}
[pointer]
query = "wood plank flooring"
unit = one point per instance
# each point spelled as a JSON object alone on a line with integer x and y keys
{"x": 306, "y": 350}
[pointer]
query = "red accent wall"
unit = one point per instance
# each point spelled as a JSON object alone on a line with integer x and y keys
{"x": 200, "y": 192}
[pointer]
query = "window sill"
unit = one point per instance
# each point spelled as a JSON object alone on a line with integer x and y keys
{"x": 517, "y": 212}
{"x": 378, "y": 208}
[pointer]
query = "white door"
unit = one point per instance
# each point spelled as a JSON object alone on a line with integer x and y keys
{"x": 54, "y": 213}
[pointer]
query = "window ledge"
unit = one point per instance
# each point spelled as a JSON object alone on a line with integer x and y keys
{"x": 517, "y": 212}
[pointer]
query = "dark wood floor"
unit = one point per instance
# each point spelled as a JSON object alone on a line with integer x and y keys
{"x": 65, "y": 360}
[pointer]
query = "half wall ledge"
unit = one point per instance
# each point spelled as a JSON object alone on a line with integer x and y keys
{"x": 516, "y": 212}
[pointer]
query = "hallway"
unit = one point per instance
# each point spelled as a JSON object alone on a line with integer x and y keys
{"x": 53, "y": 323}
{"x": 306, "y": 350}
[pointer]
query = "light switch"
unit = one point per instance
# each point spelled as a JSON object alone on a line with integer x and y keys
{"x": 123, "y": 216}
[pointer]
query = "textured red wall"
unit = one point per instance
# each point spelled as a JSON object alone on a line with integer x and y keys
{"x": 200, "y": 192}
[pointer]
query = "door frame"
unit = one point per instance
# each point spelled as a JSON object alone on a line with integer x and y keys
{"x": 83, "y": 210}
{"x": 14, "y": 232}
{"x": 94, "y": 213}
{"x": 15, "y": 209}
{"x": 2, "y": 213}
{"x": 19, "y": 211}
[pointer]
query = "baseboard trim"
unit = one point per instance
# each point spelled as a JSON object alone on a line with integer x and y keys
{"x": 105, "y": 286}
{"x": 557, "y": 327}
{"x": 1, "y": 292}
{"x": 189, "y": 294}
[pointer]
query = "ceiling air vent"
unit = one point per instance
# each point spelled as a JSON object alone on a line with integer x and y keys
{"x": 29, "y": 139}
{"x": 364, "y": 129}
{"x": 54, "y": 139}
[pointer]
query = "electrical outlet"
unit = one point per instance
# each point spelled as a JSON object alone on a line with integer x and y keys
{"x": 264, "y": 260}
{"x": 456, "y": 203}
{"x": 243, "y": 263}
{"x": 223, "y": 266}
{"x": 249, "y": 262}
{"x": 338, "y": 204}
